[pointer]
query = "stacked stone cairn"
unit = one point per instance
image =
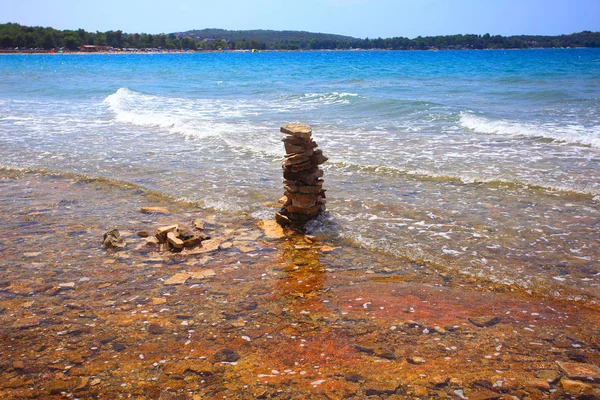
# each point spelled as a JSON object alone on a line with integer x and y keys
{"x": 304, "y": 197}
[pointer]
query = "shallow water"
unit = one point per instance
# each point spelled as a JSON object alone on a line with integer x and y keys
{"x": 485, "y": 163}
{"x": 296, "y": 317}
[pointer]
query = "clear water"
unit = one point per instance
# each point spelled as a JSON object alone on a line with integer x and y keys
{"x": 485, "y": 163}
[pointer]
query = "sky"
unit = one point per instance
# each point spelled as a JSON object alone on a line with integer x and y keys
{"x": 357, "y": 18}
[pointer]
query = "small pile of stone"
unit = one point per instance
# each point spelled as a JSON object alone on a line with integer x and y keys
{"x": 304, "y": 194}
{"x": 175, "y": 237}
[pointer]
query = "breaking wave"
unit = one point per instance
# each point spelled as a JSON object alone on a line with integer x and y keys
{"x": 573, "y": 133}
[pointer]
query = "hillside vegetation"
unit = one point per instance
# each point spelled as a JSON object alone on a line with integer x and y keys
{"x": 14, "y": 36}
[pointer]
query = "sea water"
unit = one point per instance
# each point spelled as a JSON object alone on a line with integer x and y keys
{"x": 485, "y": 163}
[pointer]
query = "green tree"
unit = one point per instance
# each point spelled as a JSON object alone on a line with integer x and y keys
{"x": 71, "y": 42}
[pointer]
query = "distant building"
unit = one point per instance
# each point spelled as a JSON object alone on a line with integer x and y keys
{"x": 90, "y": 48}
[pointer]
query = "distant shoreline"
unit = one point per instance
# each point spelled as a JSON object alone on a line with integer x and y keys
{"x": 33, "y": 52}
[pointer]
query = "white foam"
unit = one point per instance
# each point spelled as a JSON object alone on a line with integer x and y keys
{"x": 571, "y": 133}
{"x": 195, "y": 119}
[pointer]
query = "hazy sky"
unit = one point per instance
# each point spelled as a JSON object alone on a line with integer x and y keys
{"x": 358, "y": 18}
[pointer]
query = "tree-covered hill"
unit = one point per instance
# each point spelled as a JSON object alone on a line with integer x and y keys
{"x": 13, "y": 36}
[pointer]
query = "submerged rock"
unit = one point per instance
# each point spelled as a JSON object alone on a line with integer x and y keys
{"x": 581, "y": 371}
{"x": 155, "y": 210}
{"x": 112, "y": 239}
{"x": 484, "y": 321}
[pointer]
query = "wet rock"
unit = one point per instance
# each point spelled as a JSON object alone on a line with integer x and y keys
{"x": 58, "y": 386}
{"x": 484, "y": 321}
{"x": 117, "y": 346}
{"x": 226, "y": 355}
{"x": 18, "y": 364}
{"x": 156, "y": 329}
{"x": 354, "y": 378}
{"x": 248, "y": 305}
{"x": 439, "y": 380}
{"x": 143, "y": 234}
{"x": 540, "y": 384}
{"x": 576, "y": 388}
{"x": 382, "y": 389}
{"x": 178, "y": 279}
{"x": 210, "y": 245}
{"x": 112, "y": 239}
{"x": 174, "y": 240}
{"x": 271, "y": 229}
{"x": 365, "y": 349}
{"x": 198, "y": 224}
{"x": 481, "y": 394}
{"x": 202, "y": 274}
{"x": 106, "y": 338}
{"x": 549, "y": 375}
{"x": 81, "y": 383}
{"x": 66, "y": 286}
{"x": 154, "y": 210}
{"x": 201, "y": 367}
{"x": 580, "y": 371}
{"x": 416, "y": 360}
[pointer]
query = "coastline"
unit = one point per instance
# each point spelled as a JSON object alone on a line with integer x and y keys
{"x": 290, "y": 315}
{"x": 2, "y": 51}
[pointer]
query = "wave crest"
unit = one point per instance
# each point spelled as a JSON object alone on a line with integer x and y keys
{"x": 573, "y": 133}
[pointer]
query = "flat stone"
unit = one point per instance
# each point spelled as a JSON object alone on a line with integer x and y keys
{"x": 201, "y": 367}
{"x": 32, "y": 254}
{"x": 303, "y": 200}
{"x": 580, "y": 371}
{"x": 178, "y": 279}
{"x": 540, "y": 384}
{"x": 484, "y": 321}
{"x": 549, "y": 375}
{"x": 299, "y": 158}
{"x": 192, "y": 242}
{"x": 210, "y": 245}
{"x": 244, "y": 246}
{"x": 314, "y": 210}
{"x": 316, "y": 189}
{"x": 305, "y": 166}
{"x": 226, "y": 355}
{"x": 202, "y": 274}
{"x": 163, "y": 230}
{"x": 416, "y": 360}
{"x": 155, "y": 210}
{"x": 302, "y": 131}
{"x": 156, "y": 329}
{"x": 66, "y": 285}
{"x": 293, "y": 148}
{"x": 158, "y": 300}
{"x": 117, "y": 346}
{"x": 174, "y": 240}
{"x": 271, "y": 229}
{"x": 576, "y": 388}
{"x": 58, "y": 386}
{"x": 198, "y": 224}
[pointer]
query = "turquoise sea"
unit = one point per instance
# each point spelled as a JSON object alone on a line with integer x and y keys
{"x": 485, "y": 163}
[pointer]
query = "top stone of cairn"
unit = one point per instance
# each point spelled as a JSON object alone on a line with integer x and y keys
{"x": 301, "y": 131}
